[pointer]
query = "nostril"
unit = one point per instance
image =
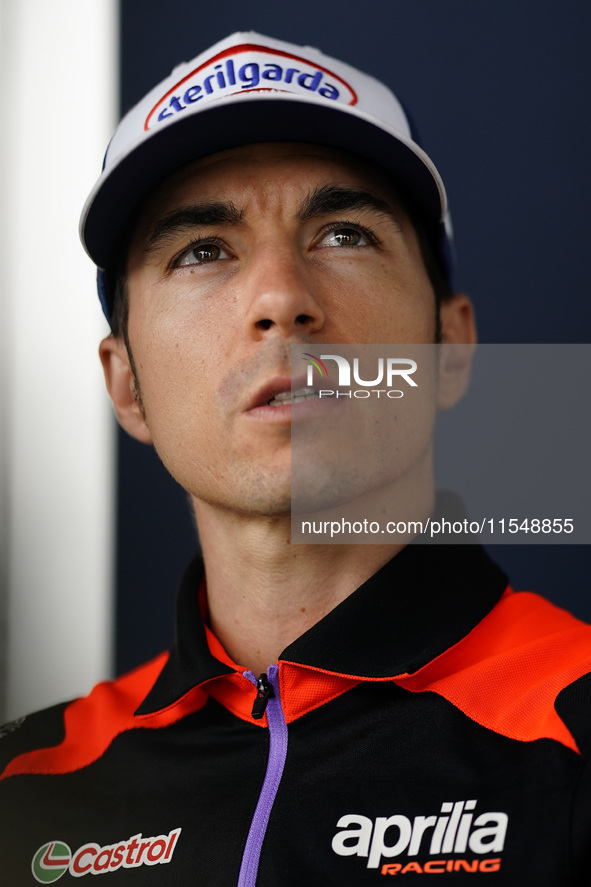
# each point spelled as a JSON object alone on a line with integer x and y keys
{"x": 264, "y": 324}
{"x": 303, "y": 319}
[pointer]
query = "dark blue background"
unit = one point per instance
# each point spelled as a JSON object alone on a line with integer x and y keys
{"x": 500, "y": 94}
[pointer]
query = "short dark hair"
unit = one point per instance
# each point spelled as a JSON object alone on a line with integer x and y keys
{"x": 429, "y": 237}
{"x": 120, "y": 309}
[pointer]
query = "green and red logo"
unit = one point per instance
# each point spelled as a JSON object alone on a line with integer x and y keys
{"x": 54, "y": 858}
{"x": 51, "y": 861}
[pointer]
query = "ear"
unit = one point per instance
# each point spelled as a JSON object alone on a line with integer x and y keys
{"x": 458, "y": 339}
{"x": 122, "y": 389}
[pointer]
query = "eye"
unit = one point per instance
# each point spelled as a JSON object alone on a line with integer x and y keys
{"x": 347, "y": 236}
{"x": 200, "y": 254}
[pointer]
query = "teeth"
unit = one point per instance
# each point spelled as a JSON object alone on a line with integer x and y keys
{"x": 298, "y": 396}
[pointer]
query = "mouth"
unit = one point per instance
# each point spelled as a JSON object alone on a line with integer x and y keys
{"x": 284, "y": 392}
{"x": 300, "y": 395}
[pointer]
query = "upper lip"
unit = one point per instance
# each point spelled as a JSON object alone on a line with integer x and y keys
{"x": 277, "y": 385}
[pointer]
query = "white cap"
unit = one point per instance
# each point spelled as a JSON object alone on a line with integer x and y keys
{"x": 250, "y": 88}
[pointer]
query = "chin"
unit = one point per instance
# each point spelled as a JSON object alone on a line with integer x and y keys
{"x": 262, "y": 496}
{"x": 319, "y": 485}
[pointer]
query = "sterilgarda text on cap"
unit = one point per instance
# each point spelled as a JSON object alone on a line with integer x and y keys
{"x": 250, "y": 88}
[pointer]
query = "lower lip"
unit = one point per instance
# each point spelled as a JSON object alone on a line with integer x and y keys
{"x": 315, "y": 408}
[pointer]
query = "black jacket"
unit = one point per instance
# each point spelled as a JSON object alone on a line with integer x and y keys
{"x": 435, "y": 722}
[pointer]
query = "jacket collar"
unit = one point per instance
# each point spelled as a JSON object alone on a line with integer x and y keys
{"x": 415, "y": 607}
{"x": 419, "y": 604}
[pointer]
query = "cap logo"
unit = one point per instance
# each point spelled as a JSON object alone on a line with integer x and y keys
{"x": 228, "y": 73}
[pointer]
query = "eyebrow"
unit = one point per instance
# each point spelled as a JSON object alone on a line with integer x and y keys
{"x": 189, "y": 217}
{"x": 329, "y": 199}
{"x": 323, "y": 200}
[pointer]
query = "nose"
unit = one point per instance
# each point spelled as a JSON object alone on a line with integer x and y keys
{"x": 281, "y": 297}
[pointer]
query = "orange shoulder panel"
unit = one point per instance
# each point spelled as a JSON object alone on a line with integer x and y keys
{"x": 507, "y": 673}
{"x": 94, "y": 721}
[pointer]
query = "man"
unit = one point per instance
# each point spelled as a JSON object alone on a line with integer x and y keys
{"x": 328, "y": 714}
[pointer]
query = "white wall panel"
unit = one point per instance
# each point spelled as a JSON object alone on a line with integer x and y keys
{"x": 59, "y": 85}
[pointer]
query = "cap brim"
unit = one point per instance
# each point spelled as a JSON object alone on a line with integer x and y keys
{"x": 248, "y": 119}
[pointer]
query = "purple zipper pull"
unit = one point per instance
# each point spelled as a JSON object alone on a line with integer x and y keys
{"x": 264, "y": 693}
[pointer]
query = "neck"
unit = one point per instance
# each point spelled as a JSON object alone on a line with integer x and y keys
{"x": 263, "y": 592}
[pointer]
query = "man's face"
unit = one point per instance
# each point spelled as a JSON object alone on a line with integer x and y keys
{"x": 234, "y": 259}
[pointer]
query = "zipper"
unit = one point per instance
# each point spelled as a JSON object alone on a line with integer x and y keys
{"x": 264, "y": 693}
{"x": 267, "y": 701}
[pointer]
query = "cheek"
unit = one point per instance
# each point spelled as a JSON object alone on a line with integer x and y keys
{"x": 178, "y": 382}
{"x": 176, "y": 332}
{"x": 177, "y": 360}
{"x": 379, "y": 305}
